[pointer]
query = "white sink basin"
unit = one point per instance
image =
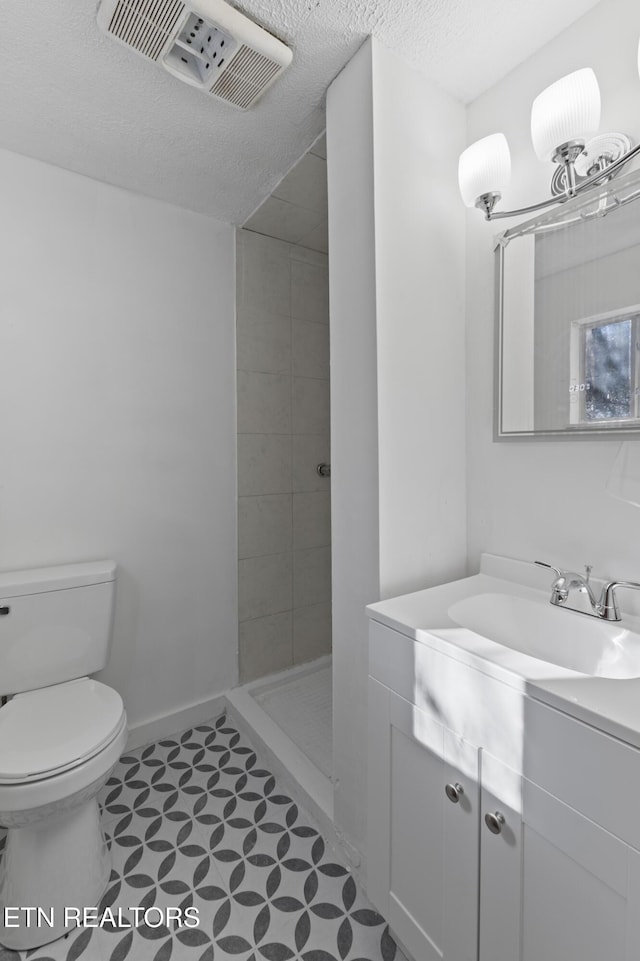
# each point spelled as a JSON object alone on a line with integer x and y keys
{"x": 577, "y": 642}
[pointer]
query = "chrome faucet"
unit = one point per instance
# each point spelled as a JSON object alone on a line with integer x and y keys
{"x": 568, "y": 581}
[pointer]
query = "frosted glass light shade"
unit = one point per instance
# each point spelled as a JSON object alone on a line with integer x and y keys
{"x": 484, "y": 167}
{"x": 567, "y": 110}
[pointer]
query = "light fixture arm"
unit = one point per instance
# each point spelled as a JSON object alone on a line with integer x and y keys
{"x": 600, "y": 176}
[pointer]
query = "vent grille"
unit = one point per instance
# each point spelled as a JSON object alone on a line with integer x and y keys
{"x": 145, "y": 24}
{"x": 206, "y": 43}
{"x": 246, "y": 77}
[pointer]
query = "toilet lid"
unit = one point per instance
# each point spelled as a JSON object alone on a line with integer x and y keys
{"x": 46, "y": 731}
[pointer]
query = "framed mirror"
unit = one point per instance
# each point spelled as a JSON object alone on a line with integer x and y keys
{"x": 568, "y": 327}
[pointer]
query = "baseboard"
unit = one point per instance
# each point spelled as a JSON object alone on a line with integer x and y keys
{"x": 165, "y": 725}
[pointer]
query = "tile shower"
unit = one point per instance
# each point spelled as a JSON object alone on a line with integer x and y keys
{"x": 284, "y": 527}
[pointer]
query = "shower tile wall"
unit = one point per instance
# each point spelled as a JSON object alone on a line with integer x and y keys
{"x": 284, "y": 512}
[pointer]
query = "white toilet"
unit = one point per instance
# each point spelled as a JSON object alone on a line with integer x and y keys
{"x": 60, "y": 735}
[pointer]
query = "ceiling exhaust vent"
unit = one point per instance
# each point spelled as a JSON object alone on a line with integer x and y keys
{"x": 206, "y": 43}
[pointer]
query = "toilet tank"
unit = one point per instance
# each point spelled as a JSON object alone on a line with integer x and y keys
{"x": 55, "y": 624}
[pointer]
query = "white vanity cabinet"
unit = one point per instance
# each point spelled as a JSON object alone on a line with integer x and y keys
{"x": 559, "y": 880}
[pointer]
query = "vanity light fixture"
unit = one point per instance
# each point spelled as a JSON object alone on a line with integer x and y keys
{"x": 564, "y": 123}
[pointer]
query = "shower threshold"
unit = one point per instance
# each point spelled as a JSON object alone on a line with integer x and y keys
{"x": 289, "y": 716}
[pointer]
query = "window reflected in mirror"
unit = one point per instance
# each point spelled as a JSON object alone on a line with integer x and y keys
{"x": 604, "y": 368}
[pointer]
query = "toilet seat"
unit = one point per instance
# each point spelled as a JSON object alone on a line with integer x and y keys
{"x": 46, "y": 732}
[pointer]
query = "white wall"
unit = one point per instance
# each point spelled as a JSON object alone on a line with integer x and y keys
{"x": 542, "y": 499}
{"x": 354, "y": 434}
{"x": 419, "y": 237}
{"x": 117, "y": 418}
{"x": 396, "y": 264}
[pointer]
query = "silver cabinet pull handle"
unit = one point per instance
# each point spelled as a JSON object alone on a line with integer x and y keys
{"x": 494, "y": 822}
{"x": 454, "y": 792}
{"x": 323, "y": 470}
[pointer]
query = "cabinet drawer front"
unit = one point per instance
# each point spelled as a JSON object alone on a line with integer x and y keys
{"x": 481, "y": 709}
{"x": 588, "y": 770}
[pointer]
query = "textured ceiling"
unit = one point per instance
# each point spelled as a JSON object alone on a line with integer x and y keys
{"x": 73, "y": 97}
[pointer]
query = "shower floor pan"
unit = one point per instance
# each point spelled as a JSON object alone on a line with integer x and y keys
{"x": 291, "y": 715}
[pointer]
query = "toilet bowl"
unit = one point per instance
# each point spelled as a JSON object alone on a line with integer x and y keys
{"x": 57, "y": 748}
{"x": 61, "y": 733}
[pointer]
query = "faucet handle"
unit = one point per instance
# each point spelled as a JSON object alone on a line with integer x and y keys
{"x": 608, "y": 606}
{"x": 549, "y": 567}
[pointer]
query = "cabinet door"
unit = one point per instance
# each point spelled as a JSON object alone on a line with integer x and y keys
{"x": 422, "y": 845}
{"x": 554, "y": 886}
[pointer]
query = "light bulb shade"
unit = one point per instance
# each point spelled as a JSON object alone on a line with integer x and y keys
{"x": 484, "y": 168}
{"x": 567, "y": 110}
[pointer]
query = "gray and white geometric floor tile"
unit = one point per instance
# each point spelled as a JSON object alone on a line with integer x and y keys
{"x": 195, "y": 821}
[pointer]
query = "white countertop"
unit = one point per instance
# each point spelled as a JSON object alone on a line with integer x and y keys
{"x": 611, "y": 705}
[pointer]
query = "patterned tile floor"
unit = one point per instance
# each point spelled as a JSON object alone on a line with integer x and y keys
{"x": 195, "y": 821}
